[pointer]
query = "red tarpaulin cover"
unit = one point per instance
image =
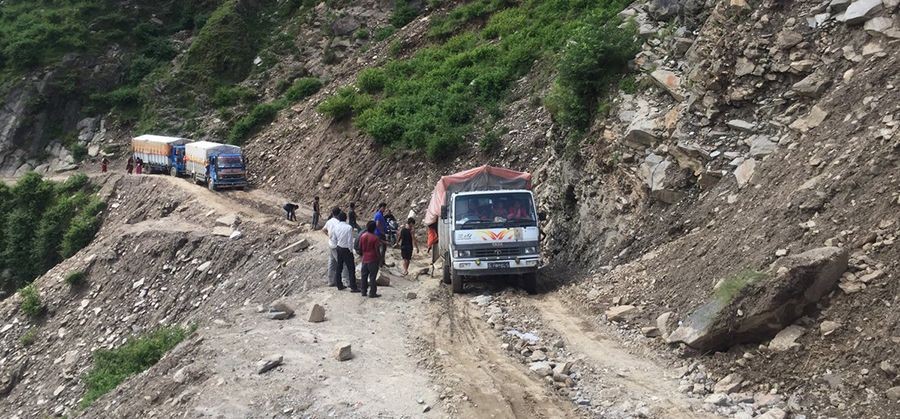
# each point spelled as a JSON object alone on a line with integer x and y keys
{"x": 479, "y": 178}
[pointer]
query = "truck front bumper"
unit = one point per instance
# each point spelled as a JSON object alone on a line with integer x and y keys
{"x": 477, "y": 267}
{"x": 231, "y": 184}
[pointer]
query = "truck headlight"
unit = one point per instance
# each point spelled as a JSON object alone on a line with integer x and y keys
{"x": 463, "y": 253}
{"x": 530, "y": 250}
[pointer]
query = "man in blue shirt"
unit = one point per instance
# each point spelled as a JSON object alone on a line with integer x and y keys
{"x": 381, "y": 229}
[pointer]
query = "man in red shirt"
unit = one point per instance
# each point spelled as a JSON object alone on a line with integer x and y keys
{"x": 369, "y": 248}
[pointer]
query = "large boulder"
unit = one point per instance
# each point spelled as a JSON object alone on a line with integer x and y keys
{"x": 768, "y": 303}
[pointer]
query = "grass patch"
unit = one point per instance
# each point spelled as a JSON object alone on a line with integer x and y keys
{"x": 260, "y": 115}
{"x": 732, "y": 286}
{"x": 29, "y": 337}
{"x": 232, "y": 95}
{"x": 31, "y": 301}
{"x": 302, "y": 88}
{"x": 490, "y": 142}
{"x": 112, "y": 367}
{"x": 432, "y": 100}
{"x": 404, "y": 12}
{"x": 384, "y": 33}
{"x": 76, "y": 279}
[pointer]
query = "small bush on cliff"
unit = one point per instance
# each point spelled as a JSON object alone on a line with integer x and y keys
{"x": 111, "y": 367}
{"x": 31, "y": 301}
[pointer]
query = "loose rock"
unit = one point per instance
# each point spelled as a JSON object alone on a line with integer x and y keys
{"x": 343, "y": 352}
{"x": 317, "y": 314}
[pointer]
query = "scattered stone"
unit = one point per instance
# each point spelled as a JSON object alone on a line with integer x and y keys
{"x": 815, "y": 118}
{"x": 426, "y": 408}
{"x": 297, "y": 246}
{"x": 411, "y": 295}
{"x": 563, "y": 368}
{"x": 744, "y": 173}
{"x": 670, "y": 82}
{"x": 222, "y": 231}
{"x": 888, "y": 368}
{"x": 235, "y": 235}
{"x": 277, "y": 315}
{"x": 538, "y": 356}
{"x": 786, "y": 339}
{"x": 861, "y": 10}
{"x": 828, "y": 327}
{"x": 541, "y": 368}
{"x": 730, "y": 384}
{"x": 180, "y": 376}
{"x": 662, "y": 323}
{"x": 781, "y": 253}
{"x": 741, "y": 125}
{"x": 650, "y": 331}
{"x": 229, "y": 220}
{"x": 717, "y": 399}
{"x": 204, "y": 266}
{"x": 761, "y": 146}
{"x": 839, "y": 5}
{"x": 619, "y": 313}
{"x": 773, "y": 413}
{"x": 878, "y": 25}
{"x": 316, "y": 314}
{"x": 343, "y": 352}
{"x": 851, "y": 287}
{"x": 788, "y": 39}
{"x": 812, "y": 85}
{"x": 869, "y": 277}
{"x": 893, "y": 394}
{"x": 267, "y": 364}
{"x": 642, "y": 132}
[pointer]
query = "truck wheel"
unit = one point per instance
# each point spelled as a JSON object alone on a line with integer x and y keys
{"x": 173, "y": 172}
{"x": 211, "y": 185}
{"x": 457, "y": 283}
{"x": 528, "y": 282}
{"x": 446, "y": 277}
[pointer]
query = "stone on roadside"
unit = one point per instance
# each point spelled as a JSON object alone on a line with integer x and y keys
{"x": 619, "y": 313}
{"x": 828, "y": 327}
{"x": 761, "y": 146}
{"x": 786, "y": 339}
{"x": 343, "y": 352}
{"x": 411, "y": 295}
{"x": 813, "y": 119}
{"x": 812, "y": 85}
{"x": 741, "y": 125}
{"x": 878, "y": 25}
{"x": 277, "y": 315}
{"x": 730, "y": 384}
{"x": 538, "y": 356}
{"x": 744, "y": 173}
{"x": 861, "y": 10}
{"x": 893, "y": 394}
{"x": 268, "y": 363}
{"x": 773, "y": 413}
{"x": 650, "y": 331}
{"x": 317, "y": 314}
{"x": 717, "y": 399}
{"x": 229, "y": 220}
{"x": 541, "y": 368}
{"x": 222, "y": 231}
{"x": 662, "y": 323}
{"x": 383, "y": 280}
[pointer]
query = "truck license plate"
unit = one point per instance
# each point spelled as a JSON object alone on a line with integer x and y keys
{"x": 498, "y": 265}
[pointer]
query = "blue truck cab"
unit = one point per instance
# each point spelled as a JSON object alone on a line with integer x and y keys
{"x": 176, "y": 161}
{"x": 227, "y": 171}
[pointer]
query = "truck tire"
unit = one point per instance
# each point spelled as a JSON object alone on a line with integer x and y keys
{"x": 173, "y": 172}
{"x": 528, "y": 282}
{"x": 446, "y": 277}
{"x": 456, "y": 281}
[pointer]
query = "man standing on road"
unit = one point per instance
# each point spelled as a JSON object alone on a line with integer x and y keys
{"x": 315, "y": 215}
{"x": 381, "y": 230}
{"x": 369, "y": 245}
{"x": 332, "y": 245}
{"x": 343, "y": 236}
{"x": 351, "y": 217}
{"x": 406, "y": 242}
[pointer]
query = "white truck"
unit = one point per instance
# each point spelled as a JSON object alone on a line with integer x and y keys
{"x": 217, "y": 165}
{"x": 487, "y": 226}
{"x": 160, "y": 153}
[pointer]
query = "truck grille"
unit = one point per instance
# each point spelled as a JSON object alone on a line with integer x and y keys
{"x": 498, "y": 252}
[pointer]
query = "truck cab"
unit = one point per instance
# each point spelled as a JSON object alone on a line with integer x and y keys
{"x": 490, "y": 233}
{"x": 227, "y": 171}
{"x": 176, "y": 161}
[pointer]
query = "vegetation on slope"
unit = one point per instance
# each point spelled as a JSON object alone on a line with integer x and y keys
{"x": 111, "y": 367}
{"x": 432, "y": 100}
{"x": 41, "y": 223}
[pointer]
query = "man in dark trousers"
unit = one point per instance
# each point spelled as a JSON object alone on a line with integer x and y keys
{"x": 369, "y": 245}
{"x": 315, "y": 215}
{"x": 407, "y": 242}
{"x": 351, "y": 217}
{"x": 290, "y": 209}
{"x": 381, "y": 229}
{"x": 343, "y": 237}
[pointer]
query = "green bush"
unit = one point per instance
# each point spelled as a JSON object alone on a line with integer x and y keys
{"x": 404, "y": 12}
{"x": 31, "y": 301}
{"x": 490, "y": 142}
{"x": 79, "y": 151}
{"x": 29, "y": 337}
{"x": 76, "y": 278}
{"x": 112, "y": 367}
{"x": 361, "y": 33}
{"x": 260, "y": 115}
{"x": 123, "y": 97}
{"x": 232, "y": 95}
{"x": 456, "y": 19}
{"x": 224, "y": 49}
{"x": 344, "y": 103}
{"x": 384, "y": 33}
{"x": 82, "y": 229}
{"x": 302, "y": 88}
{"x": 371, "y": 80}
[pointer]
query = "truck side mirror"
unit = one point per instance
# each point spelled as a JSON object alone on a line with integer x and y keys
{"x": 444, "y": 212}
{"x": 542, "y": 216}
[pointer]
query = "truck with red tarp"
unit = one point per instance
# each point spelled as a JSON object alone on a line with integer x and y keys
{"x": 484, "y": 223}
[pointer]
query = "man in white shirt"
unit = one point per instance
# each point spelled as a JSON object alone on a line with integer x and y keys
{"x": 342, "y": 234}
{"x": 332, "y": 246}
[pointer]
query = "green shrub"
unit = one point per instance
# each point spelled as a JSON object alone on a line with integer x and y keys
{"x": 232, "y": 95}
{"x": 31, "y": 301}
{"x": 404, "y": 13}
{"x": 260, "y": 115}
{"x": 384, "y": 33}
{"x": 112, "y": 367}
{"x": 224, "y": 49}
{"x": 456, "y": 19}
{"x": 76, "y": 278}
{"x": 344, "y": 103}
{"x": 82, "y": 229}
{"x": 628, "y": 84}
{"x": 302, "y": 88}
{"x": 29, "y": 337}
{"x": 123, "y": 97}
{"x": 490, "y": 142}
{"x": 371, "y": 80}
{"x": 361, "y": 33}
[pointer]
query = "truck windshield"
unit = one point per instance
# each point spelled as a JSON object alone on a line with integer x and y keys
{"x": 229, "y": 161}
{"x": 494, "y": 210}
